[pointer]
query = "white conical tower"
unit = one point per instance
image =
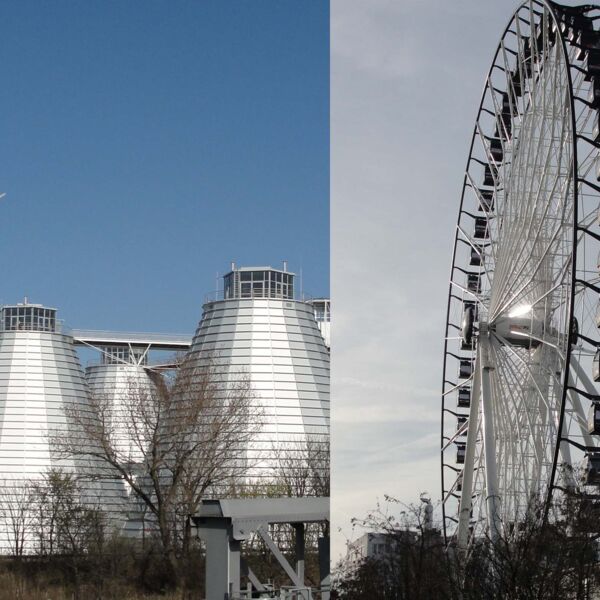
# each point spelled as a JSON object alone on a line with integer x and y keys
{"x": 40, "y": 379}
{"x": 120, "y": 377}
{"x": 259, "y": 330}
{"x": 123, "y": 380}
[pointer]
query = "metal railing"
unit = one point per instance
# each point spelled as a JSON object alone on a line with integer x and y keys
{"x": 59, "y": 327}
{"x": 133, "y": 338}
{"x": 150, "y": 362}
{"x": 217, "y": 295}
{"x": 284, "y": 593}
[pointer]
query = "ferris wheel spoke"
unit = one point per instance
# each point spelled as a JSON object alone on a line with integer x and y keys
{"x": 526, "y": 368}
{"x": 509, "y": 433}
{"x": 506, "y": 301}
{"x": 516, "y": 231}
{"x": 502, "y": 286}
{"x": 533, "y": 452}
{"x": 477, "y": 500}
{"x": 518, "y": 413}
{"x": 519, "y": 235}
{"x": 556, "y": 285}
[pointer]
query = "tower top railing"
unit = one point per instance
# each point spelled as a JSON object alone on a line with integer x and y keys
{"x": 217, "y": 295}
{"x": 59, "y": 327}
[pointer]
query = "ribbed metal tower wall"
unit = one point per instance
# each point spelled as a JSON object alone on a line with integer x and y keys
{"x": 40, "y": 380}
{"x": 119, "y": 384}
{"x": 322, "y": 308}
{"x": 278, "y": 344}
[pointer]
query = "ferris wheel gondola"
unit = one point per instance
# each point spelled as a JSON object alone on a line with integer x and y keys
{"x": 522, "y": 332}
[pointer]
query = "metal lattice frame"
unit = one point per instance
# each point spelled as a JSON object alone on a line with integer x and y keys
{"x": 525, "y": 272}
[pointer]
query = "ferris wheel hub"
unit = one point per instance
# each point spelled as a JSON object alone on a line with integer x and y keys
{"x": 525, "y": 331}
{"x": 516, "y": 328}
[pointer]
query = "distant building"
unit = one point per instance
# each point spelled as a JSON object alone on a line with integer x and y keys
{"x": 371, "y": 545}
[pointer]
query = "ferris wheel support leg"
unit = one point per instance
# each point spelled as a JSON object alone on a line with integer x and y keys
{"x": 466, "y": 495}
{"x": 489, "y": 444}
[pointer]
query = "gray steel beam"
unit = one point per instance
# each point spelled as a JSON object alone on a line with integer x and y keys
{"x": 324, "y": 567}
{"x": 300, "y": 551}
{"x": 222, "y": 559}
{"x": 269, "y": 510}
{"x": 276, "y": 552}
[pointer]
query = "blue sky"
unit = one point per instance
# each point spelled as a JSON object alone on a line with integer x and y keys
{"x": 145, "y": 145}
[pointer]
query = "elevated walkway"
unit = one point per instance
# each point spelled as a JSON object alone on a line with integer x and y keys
{"x": 157, "y": 341}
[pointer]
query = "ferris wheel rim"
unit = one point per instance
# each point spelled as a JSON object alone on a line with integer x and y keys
{"x": 550, "y": 7}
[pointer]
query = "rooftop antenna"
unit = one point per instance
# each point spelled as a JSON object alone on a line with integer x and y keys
{"x": 232, "y": 266}
{"x": 285, "y": 266}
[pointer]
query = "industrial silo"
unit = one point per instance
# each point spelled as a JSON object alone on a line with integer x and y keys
{"x": 41, "y": 387}
{"x": 257, "y": 329}
{"x": 122, "y": 382}
{"x": 122, "y": 379}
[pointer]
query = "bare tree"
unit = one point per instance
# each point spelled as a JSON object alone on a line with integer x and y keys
{"x": 63, "y": 522}
{"x": 411, "y": 562}
{"x": 172, "y": 445}
{"x": 549, "y": 555}
{"x": 16, "y": 513}
{"x": 302, "y": 466}
{"x": 66, "y": 526}
{"x": 551, "y": 558}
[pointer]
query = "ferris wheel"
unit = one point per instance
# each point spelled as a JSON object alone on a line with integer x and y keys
{"x": 520, "y": 402}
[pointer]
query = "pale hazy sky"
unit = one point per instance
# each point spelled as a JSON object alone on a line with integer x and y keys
{"x": 406, "y": 80}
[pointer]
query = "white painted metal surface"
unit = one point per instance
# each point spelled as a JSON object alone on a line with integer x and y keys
{"x": 278, "y": 345}
{"x": 41, "y": 381}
